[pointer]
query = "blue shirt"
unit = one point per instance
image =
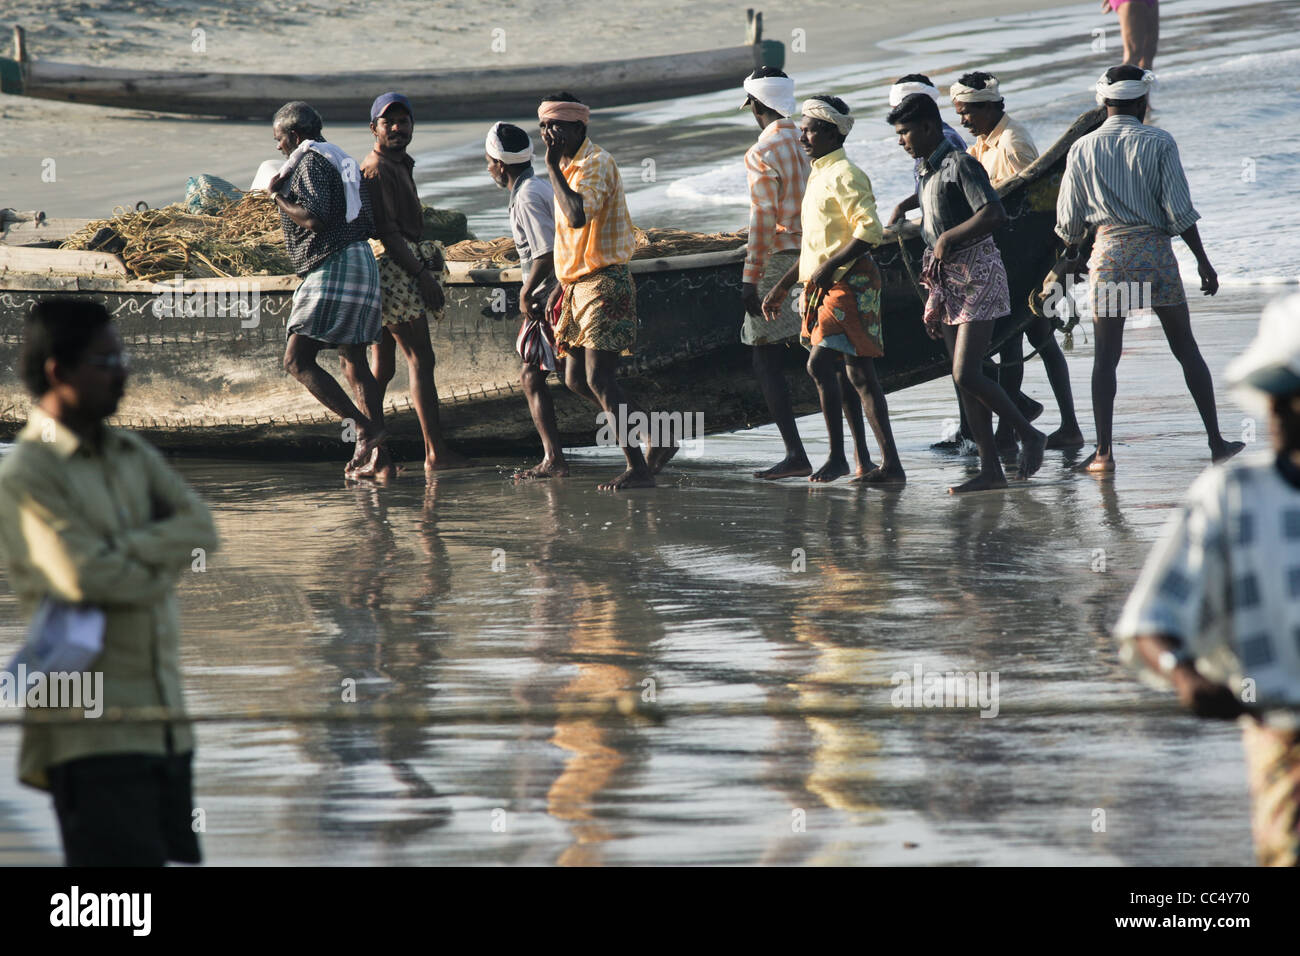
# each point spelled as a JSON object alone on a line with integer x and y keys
{"x": 954, "y": 186}
{"x": 952, "y": 136}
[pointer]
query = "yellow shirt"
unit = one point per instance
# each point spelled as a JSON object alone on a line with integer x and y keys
{"x": 76, "y": 524}
{"x": 607, "y": 238}
{"x": 1006, "y": 150}
{"x": 838, "y": 206}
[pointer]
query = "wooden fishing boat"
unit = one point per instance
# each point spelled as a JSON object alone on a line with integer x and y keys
{"x": 212, "y": 383}
{"x": 446, "y": 94}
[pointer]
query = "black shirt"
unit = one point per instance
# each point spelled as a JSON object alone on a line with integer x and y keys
{"x": 318, "y": 187}
{"x": 954, "y": 186}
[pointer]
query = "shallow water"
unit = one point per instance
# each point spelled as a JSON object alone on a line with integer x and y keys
{"x": 691, "y": 585}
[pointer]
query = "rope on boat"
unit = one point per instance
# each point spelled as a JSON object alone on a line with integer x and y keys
{"x": 626, "y": 707}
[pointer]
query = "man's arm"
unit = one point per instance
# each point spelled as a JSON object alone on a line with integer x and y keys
{"x": 1209, "y": 278}
{"x": 764, "y": 192}
{"x": 182, "y": 521}
{"x": 319, "y": 189}
{"x": 1071, "y": 214}
{"x": 1204, "y": 697}
{"x": 543, "y": 268}
{"x": 569, "y": 200}
{"x": 903, "y": 208}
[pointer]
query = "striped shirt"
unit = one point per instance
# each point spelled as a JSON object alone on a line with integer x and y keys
{"x": 1125, "y": 173}
{"x": 949, "y": 134}
{"x": 607, "y": 237}
{"x": 777, "y": 169}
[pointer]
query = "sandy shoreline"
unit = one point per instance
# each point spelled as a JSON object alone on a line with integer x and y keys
{"x": 108, "y": 157}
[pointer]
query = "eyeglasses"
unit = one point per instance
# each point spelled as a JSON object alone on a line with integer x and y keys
{"x": 112, "y": 360}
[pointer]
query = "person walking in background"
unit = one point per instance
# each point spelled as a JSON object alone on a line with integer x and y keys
{"x": 92, "y": 516}
{"x": 409, "y": 270}
{"x": 1139, "y": 25}
{"x": 1216, "y": 610}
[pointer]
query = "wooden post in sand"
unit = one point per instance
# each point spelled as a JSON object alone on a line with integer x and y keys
{"x": 20, "y": 47}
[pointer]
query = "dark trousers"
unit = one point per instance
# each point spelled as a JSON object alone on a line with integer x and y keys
{"x": 126, "y": 809}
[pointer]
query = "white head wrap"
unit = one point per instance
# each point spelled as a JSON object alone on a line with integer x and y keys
{"x": 774, "y": 92}
{"x": 820, "y": 109}
{"x": 1124, "y": 89}
{"x": 1271, "y": 363}
{"x": 901, "y": 91}
{"x": 496, "y": 151}
{"x": 961, "y": 93}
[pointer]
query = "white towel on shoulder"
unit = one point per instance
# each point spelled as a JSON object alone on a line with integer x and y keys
{"x": 345, "y": 164}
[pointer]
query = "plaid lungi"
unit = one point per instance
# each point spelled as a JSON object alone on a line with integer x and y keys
{"x": 338, "y": 302}
{"x": 598, "y": 311}
{"x": 968, "y": 286}
{"x": 401, "y": 295}
{"x": 1273, "y": 769}
{"x": 847, "y": 318}
{"x": 756, "y": 330}
{"x": 1132, "y": 267}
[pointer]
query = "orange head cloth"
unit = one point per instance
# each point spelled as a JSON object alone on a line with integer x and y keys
{"x": 563, "y": 111}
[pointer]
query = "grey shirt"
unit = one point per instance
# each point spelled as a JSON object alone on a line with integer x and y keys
{"x": 532, "y": 218}
{"x": 954, "y": 186}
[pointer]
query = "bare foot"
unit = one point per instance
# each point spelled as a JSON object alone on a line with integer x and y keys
{"x": 1065, "y": 438}
{"x": 1098, "y": 464}
{"x": 1226, "y": 451}
{"x": 547, "y": 468}
{"x": 364, "y": 468}
{"x": 884, "y": 476}
{"x": 791, "y": 467}
{"x": 834, "y": 468}
{"x": 632, "y": 478}
{"x": 980, "y": 482}
{"x": 659, "y": 455}
{"x": 447, "y": 461}
{"x": 1031, "y": 455}
{"x": 384, "y": 469}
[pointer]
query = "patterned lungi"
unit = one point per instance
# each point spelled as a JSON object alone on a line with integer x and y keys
{"x": 403, "y": 301}
{"x": 1273, "y": 768}
{"x": 1132, "y": 267}
{"x": 338, "y": 302}
{"x": 756, "y": 330}
{"x": 968, "y": 286}
{"x": 598, "y": 311}
{"x": 847, "y": 317}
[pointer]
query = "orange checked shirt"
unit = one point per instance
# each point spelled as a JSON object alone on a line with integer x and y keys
{"x": 777, "y": 168}
{"x": 607, "y": 238}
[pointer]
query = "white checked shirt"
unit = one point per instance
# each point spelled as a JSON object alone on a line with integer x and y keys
{"x": 1124, "y": 173}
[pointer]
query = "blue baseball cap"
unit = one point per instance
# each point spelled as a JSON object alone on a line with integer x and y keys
{"x": 385, "y": 100}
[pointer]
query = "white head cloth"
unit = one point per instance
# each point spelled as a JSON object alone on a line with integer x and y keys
{"x": 961, "y": 93}
{"x": 341, "y": 161}
{"x": 498, "y": 152}
{"x": 820, "y": 109}
{"x": 774, "y": 92}
{"x": 901, "y": 91}
{"x": 1271, "y": 363}
{"x": 1124, "y": 89}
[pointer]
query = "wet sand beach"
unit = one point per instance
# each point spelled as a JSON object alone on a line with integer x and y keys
{"x": 757, "y": 614}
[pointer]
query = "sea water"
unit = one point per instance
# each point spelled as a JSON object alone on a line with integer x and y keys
{"x": 753, "y": 614}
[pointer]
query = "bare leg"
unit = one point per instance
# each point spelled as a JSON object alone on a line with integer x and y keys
{"x": 852, "y": 406}
{"x": 862, "y": 375}
{"x": 603, "y": 382}
{"x": 1042, "y": 337}
{"x": 383, "y": 364}
{"x": 1108, "y": 347}
{"x": 1139, "y": 25}
{"x": 824, "y": 367}
{"x": 770, "y": 372}
{"x": 413, "y": 337}
{"x": 370, "y": 400}
{"x": 1177, "y": 324}
{"x": 300, "y": 362}
{"x": 542, "y": 408}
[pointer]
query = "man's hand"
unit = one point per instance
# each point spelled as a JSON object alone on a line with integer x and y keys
{"x": 940, "y": 247}
{"x": 1209, "y": 278}
{"x": 159, "y": 508}
{"x": 750, "y": 300}
{"x": 899, "y": 215}
{"x": 276, "y": 182}
{"x": 554, "y": 141}
{"x": 1204, "y": 697}
{"x": 822, "y": 279}
{"x": 552, "y": 299}
{"x": 434, "y": 297}
{"x": 773, "y": 302}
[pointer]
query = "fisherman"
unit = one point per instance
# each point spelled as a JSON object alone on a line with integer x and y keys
{"x": 96, "y": 529}
{"x": 1217, "y": 607}
{"x": 409, "y": 270}
{"x": 904, "y": 87}
{"x": 1126, "y": 180}
{"x": 967, "y": 283}
{"x": 593, "y": 307}
{"x": 325, "y": 211}
{"x": 509, "y": 151}
{"x": 1004, "y": 148}
{"x": 777, "y": 170}
{"x": 841, "y": 288}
